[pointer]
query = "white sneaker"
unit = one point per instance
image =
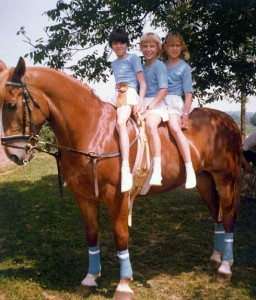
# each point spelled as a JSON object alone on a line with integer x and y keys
{"x": 191, "y": 180}
{"x": 156, "y": 178}
{"x": 126, "y": 181}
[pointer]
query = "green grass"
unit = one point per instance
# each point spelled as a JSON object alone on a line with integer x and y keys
{"x": 43, "y": 252}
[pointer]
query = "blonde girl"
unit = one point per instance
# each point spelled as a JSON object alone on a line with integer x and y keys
{"x": 179, "y": 85}
{"x": 154, "y": 109}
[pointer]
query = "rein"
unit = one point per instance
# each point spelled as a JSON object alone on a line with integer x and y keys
{"x": 34, "y": 138}
{"x": 93, "y": 156}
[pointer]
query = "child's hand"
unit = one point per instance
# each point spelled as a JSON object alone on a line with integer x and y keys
{"x": 136, "y": 109}
{"x": 184, "y": 122}
{"x": 248, "y": 167}
{"x": 143, "y": 115}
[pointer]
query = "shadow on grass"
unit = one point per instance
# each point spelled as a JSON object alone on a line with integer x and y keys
{"x": 42, "y": 237}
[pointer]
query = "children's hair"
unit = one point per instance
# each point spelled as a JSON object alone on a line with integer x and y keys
{"x": 171, "y": 36}
{"x": 118, "y": 35}
{"x": 151, "y": 37}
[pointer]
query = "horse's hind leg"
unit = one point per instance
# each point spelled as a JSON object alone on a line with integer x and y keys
{"x": 90, "y": 212}
{"x": 228, "y": 194}
{"x": 208, "y": 192}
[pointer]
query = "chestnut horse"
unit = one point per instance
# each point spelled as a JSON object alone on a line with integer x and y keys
{"x": 81, "y": 121}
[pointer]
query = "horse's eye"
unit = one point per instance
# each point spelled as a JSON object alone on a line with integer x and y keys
{"x": 12, "y": 106}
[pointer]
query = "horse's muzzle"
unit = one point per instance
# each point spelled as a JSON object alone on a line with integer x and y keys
{"x": 18, "y": 149}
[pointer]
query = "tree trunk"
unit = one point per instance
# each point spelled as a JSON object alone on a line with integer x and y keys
{"x": 243, "y": 114}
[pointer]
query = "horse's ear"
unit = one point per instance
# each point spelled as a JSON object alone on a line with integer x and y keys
{"x": 2, "y": 66}
{"x": 19, "y": 70}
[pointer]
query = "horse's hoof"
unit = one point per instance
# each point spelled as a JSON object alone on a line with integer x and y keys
{"x": 224, "y": 271}
{"x": 215, "y": 263}
{"x": 123, "y": 296}
{"x": 85, "y": 290}
{"x": 215, "y": 259}
{"x": 224, "y": 278}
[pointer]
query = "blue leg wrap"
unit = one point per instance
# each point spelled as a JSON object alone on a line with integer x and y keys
{"x": 219, "y": 233}
{"x": 125, "y": 265}
{"x": 228, "y": 250}
{"x": 94, "y": 260}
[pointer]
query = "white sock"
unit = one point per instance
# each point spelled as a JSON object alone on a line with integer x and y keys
{"x": 125, "y": 163}
{"x": 157, "y": 162}
{"x": 191, "y": 176}
{"x": 189, "y": 167}
{"x": 125, "y": 166}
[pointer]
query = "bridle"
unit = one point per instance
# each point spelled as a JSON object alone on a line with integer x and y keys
{"x": 34, "y": 140}
{"x": 26, "y": 107}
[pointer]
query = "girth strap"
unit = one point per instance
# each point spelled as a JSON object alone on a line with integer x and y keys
{"x": 95, "y": 175}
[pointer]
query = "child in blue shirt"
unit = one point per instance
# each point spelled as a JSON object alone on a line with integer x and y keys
{"x": 179, "y": 84}
{"x": 129, "y": 79}
{"x": 155, "y": 111}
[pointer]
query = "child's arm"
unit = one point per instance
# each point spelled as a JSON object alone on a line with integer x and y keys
{"x": 186, "y": 110}
{"x": 143, "y": 86}
{"x": 158, "y": 97}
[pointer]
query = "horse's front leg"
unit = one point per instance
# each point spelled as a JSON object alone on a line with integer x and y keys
{"x": 90, "y": 212}
{"x": 118, "y": 212}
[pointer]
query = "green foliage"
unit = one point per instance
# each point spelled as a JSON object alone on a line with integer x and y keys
{"x": 221, "y": 36}
{"x": 46, "y": 133}
{"x": 221, "y": 40}
{"x": 253, "y": 119}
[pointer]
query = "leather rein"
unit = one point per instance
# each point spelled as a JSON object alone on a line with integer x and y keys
{"x": 33, "y": 140}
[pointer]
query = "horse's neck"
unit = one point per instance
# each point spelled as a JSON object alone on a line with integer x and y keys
{"x": 78, "y": 117}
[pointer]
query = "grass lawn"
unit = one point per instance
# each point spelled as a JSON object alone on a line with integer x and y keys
{"x": 43, "y": 252}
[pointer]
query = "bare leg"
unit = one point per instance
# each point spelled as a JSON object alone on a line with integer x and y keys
{"x": 183, "y": 145}
{"x": 152, "y": 122}
{"x": 123, "y": 114}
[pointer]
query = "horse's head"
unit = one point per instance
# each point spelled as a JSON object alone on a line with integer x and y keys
{"x": 19, "y": 127}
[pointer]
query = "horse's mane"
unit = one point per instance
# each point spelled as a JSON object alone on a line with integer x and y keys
{"x": 3, "y": 79}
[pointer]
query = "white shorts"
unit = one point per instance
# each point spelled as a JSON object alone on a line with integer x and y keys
{"x": 159, "y": 109}
{"x": 132, "y": 96}
{"x": 174, "y": 104}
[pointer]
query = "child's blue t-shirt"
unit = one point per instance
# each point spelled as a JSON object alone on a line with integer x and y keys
{"x": 156, "y": 77}
{"x": 179, "y": 78}
{"x": 126, "y": 69}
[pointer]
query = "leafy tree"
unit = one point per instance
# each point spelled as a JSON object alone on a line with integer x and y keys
{"x": 221, "y": 36}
